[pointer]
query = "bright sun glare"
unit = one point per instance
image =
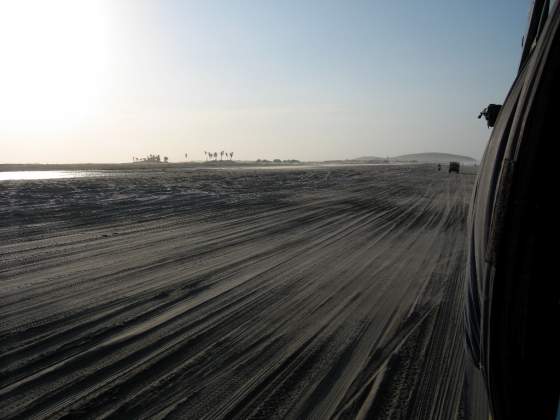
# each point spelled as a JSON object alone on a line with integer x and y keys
{"x": 54, "y": 70}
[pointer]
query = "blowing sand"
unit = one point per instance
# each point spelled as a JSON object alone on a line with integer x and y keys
{"x": 301, "y": 293}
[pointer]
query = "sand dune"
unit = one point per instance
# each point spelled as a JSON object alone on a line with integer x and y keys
{"x": 305, "y": 293}
{"x": 433, "y": 157}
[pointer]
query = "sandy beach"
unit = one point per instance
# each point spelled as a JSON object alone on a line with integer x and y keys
{"x": 325, "y": 292}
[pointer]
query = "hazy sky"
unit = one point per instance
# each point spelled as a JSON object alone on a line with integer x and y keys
{"x": 102, "y": 81}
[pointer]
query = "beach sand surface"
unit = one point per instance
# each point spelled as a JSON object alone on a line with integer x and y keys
{"x": 324, "y": 292}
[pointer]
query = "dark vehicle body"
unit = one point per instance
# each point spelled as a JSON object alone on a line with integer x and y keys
{"x": 454, "y": 167}
{"x": 512, "y": 302}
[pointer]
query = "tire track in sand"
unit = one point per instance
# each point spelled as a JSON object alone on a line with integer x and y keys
{"x": 317, "y": 293}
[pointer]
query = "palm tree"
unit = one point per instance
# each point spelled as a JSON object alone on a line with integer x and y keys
{"x": 222, "y": 155}
{"x": 231, "y": 156}
{"x": 216, "y": 156}
{"x": 186, "y": 156}
{"x": 205, "y": 155}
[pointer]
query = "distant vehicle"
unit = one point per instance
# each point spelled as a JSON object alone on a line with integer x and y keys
{"x": 512, "y": 309}
{"x": 454, "y": 167}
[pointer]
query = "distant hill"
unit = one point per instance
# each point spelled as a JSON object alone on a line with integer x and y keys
{"x": 434, "y": 158}
{"x": 369, "y": 158}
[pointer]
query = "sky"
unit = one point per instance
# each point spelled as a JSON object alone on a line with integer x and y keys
{"x": 107, "y": 80}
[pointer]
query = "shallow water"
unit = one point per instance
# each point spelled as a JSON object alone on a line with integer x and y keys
{"x": 78, "y": 173}
{"x": 24, "y": 175}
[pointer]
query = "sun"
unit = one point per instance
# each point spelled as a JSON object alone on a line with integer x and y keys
{"x": 55, "y": 63}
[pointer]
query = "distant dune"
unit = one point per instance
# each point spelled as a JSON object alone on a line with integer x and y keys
{"x": 434, "y": 158}
{"x": 430, "y": 157}
{"x": 369, "y": 158}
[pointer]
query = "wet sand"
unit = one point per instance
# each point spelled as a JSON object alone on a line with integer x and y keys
{"x": 300, "y": 293}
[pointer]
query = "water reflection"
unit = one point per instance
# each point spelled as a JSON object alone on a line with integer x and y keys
{"x": 39, "y": 175}
{"x": 22, "y": 175}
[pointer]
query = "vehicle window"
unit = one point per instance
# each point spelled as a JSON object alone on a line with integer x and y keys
{"x": 537, "y": 19}
{"x": 543, "y": 18}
